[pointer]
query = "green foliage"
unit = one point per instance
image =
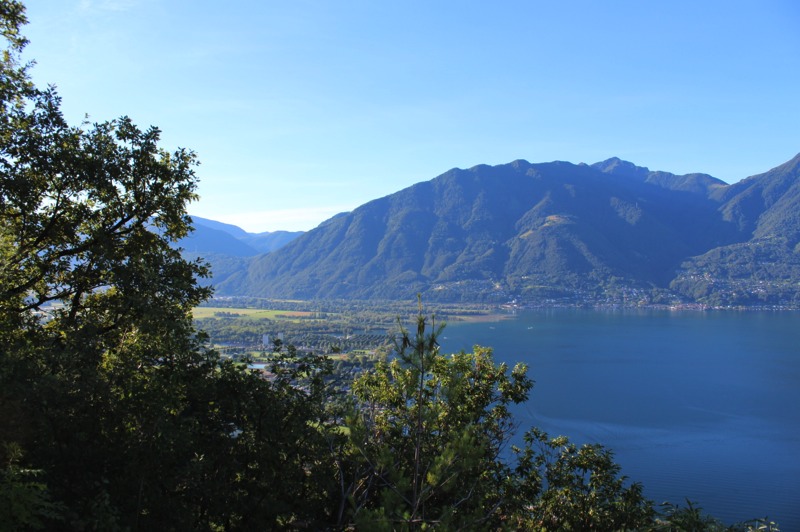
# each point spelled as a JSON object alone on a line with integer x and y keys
{"x": 113, "y": 398}
{"x": 426, "y": 435}
{"x": 762, "y": 271}
{"x": 576, "y": 488}
{"x": 95, "y": 303}
{"x": 673, "y": 517}
{"x": 24, "y": 502}
{"x": 425, "y": 449}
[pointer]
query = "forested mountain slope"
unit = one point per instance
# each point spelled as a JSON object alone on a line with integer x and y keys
{"x": 763, "y": 266}
{"x": 522, "y": 229}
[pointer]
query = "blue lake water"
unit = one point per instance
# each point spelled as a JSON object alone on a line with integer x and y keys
{"x": 698, "y": 405}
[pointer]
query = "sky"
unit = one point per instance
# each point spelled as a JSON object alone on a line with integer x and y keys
{"x": 301, "y": 109}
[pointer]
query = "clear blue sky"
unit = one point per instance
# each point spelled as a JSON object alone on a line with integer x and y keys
{"x": 300, "y": 109}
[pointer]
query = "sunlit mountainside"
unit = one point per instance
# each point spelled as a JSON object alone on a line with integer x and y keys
{"x": 544, "y": 231}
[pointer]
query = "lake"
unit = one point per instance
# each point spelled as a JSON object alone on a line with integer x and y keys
{"x": 698, "y": 405}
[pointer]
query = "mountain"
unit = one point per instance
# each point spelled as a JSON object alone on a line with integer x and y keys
{"x": 233, "y": 230}
{"x": 532, "y": 231}
{"x": 213, "y": 236}
{"x": 697, "y": 183}
{"x": 552, "y": 230}
{"x": 229, "y": 248}
{"x": 270, "y": 241}
{"x": 764, "y": 267}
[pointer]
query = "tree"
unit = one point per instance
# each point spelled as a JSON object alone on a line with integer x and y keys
{"x": 691, "y": 517}
{"x": 428, "y": 446}
{"x": 95, "y": 302}
{"x": 566, "y": 487}
{"x": 425, "y": 438}
{"x": 24, "y": 502}
{"x": 106, "y": 388}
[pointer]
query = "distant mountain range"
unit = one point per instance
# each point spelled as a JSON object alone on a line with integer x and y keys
{"x": 227, "y": 247}
{"x": 557, "y": 231}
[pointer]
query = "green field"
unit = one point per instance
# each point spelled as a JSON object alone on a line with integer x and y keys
{"x": 250, "y": 313}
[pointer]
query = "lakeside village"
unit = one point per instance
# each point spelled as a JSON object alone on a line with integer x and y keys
{"x": 708, "y": 293}
{"x": 346, "y": 365}
{"x": 348, "y": 353}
